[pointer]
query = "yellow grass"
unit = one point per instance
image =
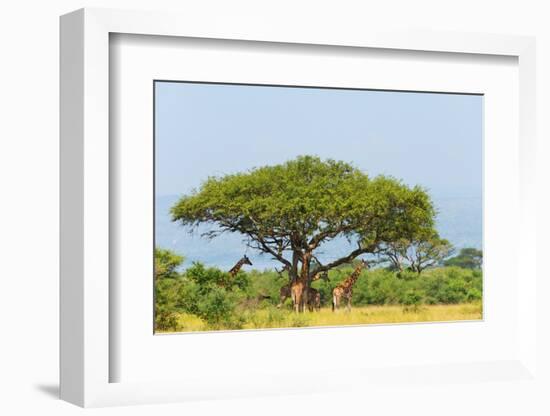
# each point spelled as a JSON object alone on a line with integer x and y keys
{"x": 365, "y": 315}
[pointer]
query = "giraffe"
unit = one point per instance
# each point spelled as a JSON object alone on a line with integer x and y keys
{"x": 345, "y": 289}
{"x": 314, "y": 297}
{"x": 237, "y": 267}
{"x": 313, "y": 300}
{"x": 284, "y": 292}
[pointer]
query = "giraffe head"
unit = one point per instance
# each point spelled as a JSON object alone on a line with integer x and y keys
{"x": 364, "y": 264}
{"x": 246, "y": 260}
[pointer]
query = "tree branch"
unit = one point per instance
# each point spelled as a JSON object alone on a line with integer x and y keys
{"x": 346, "y": 259}
{"x": 264, "y": 247}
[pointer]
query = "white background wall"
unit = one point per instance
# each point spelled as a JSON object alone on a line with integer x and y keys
{"x": 29, "y": 204}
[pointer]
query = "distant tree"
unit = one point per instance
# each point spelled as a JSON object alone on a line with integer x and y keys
{"x": 166, "y": 263}
{"x": 418, "y": 252}
{"x": 289, "y": 211}
{"x": 428, "y": 253}
{"x": 467, "y": 258}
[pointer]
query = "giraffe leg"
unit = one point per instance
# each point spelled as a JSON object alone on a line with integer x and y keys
{"x": 282, "y": 298}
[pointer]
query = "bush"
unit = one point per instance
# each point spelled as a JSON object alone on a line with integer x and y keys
{"x": 442, "y": 285}
{"x": 212, "y": 295}
{"x": 166, "y": 263}
{"x": 217, "y": 308}
{"x": 264, "y": 286}
{"x": 166, "y": 321}
{"x": 212, "y": 276}
{"x": 166, "y": 297}
{"x": 452, "y": 285}
{"x": 411, "y": 300}
{"x": 225, "y": 302}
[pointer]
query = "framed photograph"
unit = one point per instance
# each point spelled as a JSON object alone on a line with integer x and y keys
{"x": 270, "y": 211}
{"x": 306, "y": 200}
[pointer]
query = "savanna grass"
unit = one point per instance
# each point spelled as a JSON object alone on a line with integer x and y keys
{"x": 363, "y": 315}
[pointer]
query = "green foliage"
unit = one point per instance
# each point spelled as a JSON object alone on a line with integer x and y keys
{"x": 222, "y": 302}
{"x": 166, "y": 263}
{"x": 208, "y": 293}
{"x": 467, "y": 258}
{"x": 265, "y": 286}
{"x": 297, "y": 206}
{"x": 451, "y": 285}
{"x": 166, "y": 298}
{"x": 166, "y": 289}
{"x": 214, "y": 277}
{"x": 442, "y": 285}
{"x": 416, "y": 252}
{"x": 411, "y": 300}
{"x": 212, "y": 295}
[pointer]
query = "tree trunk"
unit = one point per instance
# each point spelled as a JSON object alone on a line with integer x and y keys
{"x": 300, "y": 284}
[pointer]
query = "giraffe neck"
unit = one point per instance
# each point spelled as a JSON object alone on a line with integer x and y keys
{"x": 350, "y": 281}
{"x": 236, "y": 268}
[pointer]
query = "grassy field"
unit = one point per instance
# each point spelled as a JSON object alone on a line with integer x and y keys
{"x": 275, "y": 318}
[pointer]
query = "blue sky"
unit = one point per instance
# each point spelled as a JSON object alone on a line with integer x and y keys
{"x": 434, "y": 140}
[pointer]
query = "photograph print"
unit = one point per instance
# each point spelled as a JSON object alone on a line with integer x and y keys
{"x": 288, "y": 206}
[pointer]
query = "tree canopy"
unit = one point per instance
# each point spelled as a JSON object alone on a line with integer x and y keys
{"x": 417, "y": 254}
{"x": 166, "y": 263}
{"x": 467, "y": 258}
{"x": 291, "y": 209}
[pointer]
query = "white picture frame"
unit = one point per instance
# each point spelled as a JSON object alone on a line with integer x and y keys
{"x": 86, "y": 355}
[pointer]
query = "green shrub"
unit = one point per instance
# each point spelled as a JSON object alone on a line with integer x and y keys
{"x": 166, "y": 263}
{"x": 264, "y": 286}
{"x": 452, "y": 285}
{"x": 166, "y": 321}
{"x": 441, "y": 285}
{"x": 166, "y": 297}
{"x": 212, "y": 295}
{"x": 225, "y": 302}
{"x": 411, "y": 300}
{"x": 473, "y": 294}
{"x": 211, "y": 276}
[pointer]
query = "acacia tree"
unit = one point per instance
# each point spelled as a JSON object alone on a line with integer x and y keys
{"x": 428, "y": 253}
{"x": 467, "y": 258}
{"x": 289, "y": 211}
{"x": 417, "y": 252}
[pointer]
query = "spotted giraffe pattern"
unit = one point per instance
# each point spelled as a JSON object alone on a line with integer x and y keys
{"x": 237, "y": 267}
{"x": 345, "y": 289}
{"x": 314, "y": 297}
